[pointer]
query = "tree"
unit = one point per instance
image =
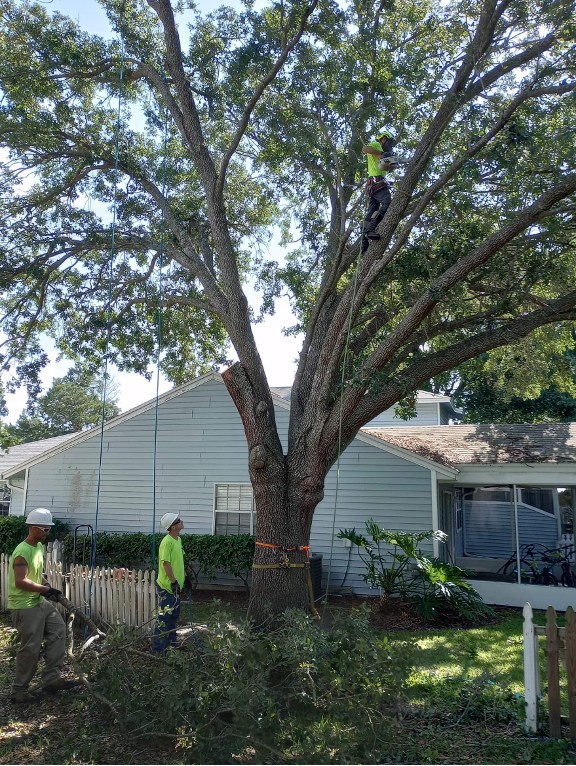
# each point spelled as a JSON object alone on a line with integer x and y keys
{"x": 263, "y": 113}
{"x": 72, "y": 403}
{"x": 512, "y": 389}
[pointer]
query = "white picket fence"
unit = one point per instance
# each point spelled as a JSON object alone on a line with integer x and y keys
{"x": 109, "y": 596}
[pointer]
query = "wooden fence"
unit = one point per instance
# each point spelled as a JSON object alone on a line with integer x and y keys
{"x": 560, "y": 648}
{"x": 109, "y": 596}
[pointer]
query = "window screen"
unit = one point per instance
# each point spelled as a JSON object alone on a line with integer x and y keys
{"x": 233, "y": 509}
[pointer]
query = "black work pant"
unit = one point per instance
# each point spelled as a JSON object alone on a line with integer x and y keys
{"x": 379, "y": 203}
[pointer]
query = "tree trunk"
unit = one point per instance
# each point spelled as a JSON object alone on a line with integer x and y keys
{"x": 284, "y": 512}
{"x": 287, "y": 490}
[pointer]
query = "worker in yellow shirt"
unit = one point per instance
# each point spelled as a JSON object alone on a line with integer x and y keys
{"x": 379, "y": 158}
{"x": 169, "y": 584}
{"x": 38, "y": 622}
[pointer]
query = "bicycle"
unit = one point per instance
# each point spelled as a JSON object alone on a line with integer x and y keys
{"x": 531, "y": 556}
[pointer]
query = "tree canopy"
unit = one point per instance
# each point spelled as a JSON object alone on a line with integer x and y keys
{"x": 261, "y": 114}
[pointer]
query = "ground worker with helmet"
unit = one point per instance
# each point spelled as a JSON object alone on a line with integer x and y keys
{"x": 379, "y": 158}
{"x": 37, "y": 620}
{"x": 169, "y": 584}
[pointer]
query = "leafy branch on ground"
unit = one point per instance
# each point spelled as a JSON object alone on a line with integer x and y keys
{"x": 298, "y": 692}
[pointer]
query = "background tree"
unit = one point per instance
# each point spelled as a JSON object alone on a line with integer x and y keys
{"x": 263, "y": 113}
{"x": 72, "y": 403}
{"x": 528, "y": 384}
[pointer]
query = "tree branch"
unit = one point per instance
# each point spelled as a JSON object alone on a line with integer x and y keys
{"x": 257, "y": 95}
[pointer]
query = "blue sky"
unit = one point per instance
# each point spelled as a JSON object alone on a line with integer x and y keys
{"x": 277, "y": 351}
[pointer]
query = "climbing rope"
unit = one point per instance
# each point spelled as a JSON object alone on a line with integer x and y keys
{"x": 112, "y": 254}
{"x": 159, "y": 332}
{"x": 340, "y": 414}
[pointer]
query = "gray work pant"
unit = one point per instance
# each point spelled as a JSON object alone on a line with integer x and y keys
{"x": 37, "y": 625}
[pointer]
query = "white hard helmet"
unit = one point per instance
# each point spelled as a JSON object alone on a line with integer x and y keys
{"x": 40, "y": 517}
{"x": 386, "y": 131}
{"x": 168, "y": 519}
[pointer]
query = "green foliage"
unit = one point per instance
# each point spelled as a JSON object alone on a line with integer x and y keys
{"x": 299, "y": 693}
{"x": 203, "y": 554}
{"x": 208, "y": 554}
{"x": 477, "y": 248}
{"x": 396, "y": 565}
{"x": 72, "y": 403}
{"x": 13, "y": 530}
{"x": 534, "y": 383}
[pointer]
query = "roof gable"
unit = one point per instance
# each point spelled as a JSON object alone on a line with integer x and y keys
{"x": 36, "y": 452}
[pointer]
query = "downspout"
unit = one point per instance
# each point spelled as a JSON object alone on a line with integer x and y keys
{"x": 435, "y": 520}
{"x": 25, "y": 492}
{"x": 517, "y": 534}
{"x": 558, "y": 515}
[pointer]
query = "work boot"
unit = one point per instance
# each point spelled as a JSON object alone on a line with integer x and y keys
{"x": 60, "y": 685}
{"x": 373, "y": 235}
{"x": 23, "y": 697}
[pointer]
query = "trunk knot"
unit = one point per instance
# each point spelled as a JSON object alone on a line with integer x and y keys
{"x": 258, "y": 456}
{"x": 261, "y": 408}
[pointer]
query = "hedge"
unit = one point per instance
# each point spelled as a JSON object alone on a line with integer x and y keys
{"x": 203, "y": 554}
{"x": 13, "y": 530}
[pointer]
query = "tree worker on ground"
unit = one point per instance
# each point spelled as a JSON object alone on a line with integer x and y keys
{"x": 169, "y": 584}
{"x": 379, "y": 158}
{"x": 37, "y": 620}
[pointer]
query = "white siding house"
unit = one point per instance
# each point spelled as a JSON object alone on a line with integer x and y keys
{"x": 202, "y": 474}
{"x": 492, "y": 489}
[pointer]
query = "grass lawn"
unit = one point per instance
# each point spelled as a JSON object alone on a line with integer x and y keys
{"x": 463, "y": 706}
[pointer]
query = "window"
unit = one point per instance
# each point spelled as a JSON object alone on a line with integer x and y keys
{"x": 4, "y": 499}
{"x": 234, "y": 512}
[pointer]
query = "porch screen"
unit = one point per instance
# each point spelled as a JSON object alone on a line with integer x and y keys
{"x": 234, "y": 512}
{"x": 489, "y": 528}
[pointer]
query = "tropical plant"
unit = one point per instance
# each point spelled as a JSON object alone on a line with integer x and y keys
{"x": 396, "y": 565}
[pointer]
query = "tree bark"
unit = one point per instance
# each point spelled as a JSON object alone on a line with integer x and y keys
{"x": 284, "y": 511}
{"x": 287, "y": 490}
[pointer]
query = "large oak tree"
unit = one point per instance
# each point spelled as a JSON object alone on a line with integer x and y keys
{"x": 261, "y": 114}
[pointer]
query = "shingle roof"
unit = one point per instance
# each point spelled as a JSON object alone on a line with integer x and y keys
{"x": 486, "y": 444}
{"x": 24, "y": 452}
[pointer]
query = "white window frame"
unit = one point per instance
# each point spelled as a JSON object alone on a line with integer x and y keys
{"x": 251, "y": 513}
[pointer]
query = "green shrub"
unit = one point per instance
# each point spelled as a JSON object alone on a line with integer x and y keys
{"x": 298, "y": 694}
{"x": 396, "y": 565}
{"x": 203, "y": 554}
{"x": 13, "y": 530}
{"x": 113, "y": 549}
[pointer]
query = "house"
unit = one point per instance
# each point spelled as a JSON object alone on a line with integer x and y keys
{"x": 478, "y": 483}
{"x": 515, "y": 491}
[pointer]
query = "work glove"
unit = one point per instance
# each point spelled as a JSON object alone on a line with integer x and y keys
{"x": 188, "y": 585}
{"x": 176, "y": 589}
{"x": 53, "y": 594}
